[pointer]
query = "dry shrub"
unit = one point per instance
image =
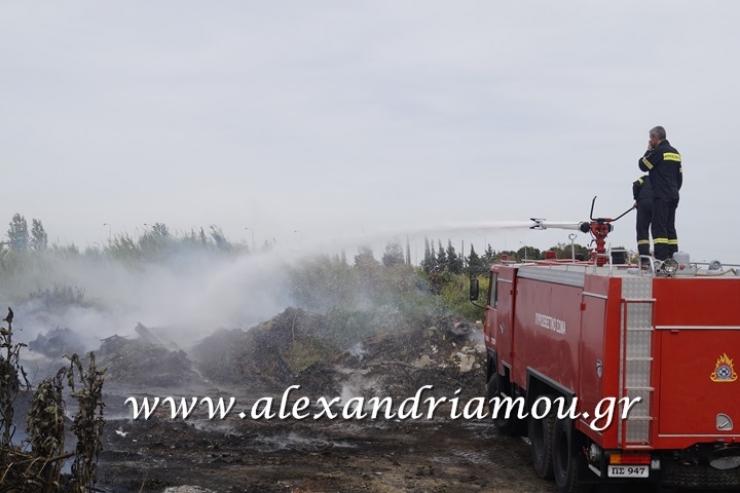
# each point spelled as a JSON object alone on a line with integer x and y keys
{"x": 36, "y": 465}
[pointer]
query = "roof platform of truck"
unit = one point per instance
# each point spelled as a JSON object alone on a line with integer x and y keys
{"x": 557, "y": 271}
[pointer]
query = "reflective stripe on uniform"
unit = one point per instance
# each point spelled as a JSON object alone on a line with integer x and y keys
{"x": 647, "y": 163}
{"x": 680, "y": 169}
{"x": 673, "y": 242}
{"x": 660, "y": 241}
{"x": 640, "y": 181}
{"x": 671, "y": 156}
{"x": 643, "y": 242}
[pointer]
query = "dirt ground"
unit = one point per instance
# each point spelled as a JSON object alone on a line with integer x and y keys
{"x": 309, "y": 456}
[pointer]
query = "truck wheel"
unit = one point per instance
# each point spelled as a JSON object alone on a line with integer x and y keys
{"x": 540, "y": 439}
{"x": 512, "y": 426}
{"x": 569, "y": 464}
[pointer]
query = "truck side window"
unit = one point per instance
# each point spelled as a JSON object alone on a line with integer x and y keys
{"x": 493, "y": 291}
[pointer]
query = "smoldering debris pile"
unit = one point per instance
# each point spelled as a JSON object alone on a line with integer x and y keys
{"x": 340, "y": 352}
{"x": 268, "y": 355}
{"x": 58, "y": 342}
{"x": 448, "y": 356}
{"x": 345, "y": 353}
{"x": 145, "y": 361}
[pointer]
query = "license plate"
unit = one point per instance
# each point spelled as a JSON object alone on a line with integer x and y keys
{"x": 628, "y": 471}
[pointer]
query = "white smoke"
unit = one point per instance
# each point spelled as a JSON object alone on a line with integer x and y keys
{"x": 185, "y": 297}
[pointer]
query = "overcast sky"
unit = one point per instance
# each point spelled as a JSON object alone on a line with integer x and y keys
{"x": 334, "y": 118}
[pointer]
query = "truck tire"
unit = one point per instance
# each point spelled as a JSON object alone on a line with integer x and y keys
{"x": 540, "y": 439}
{"x": 513, "y": 426}
{"x": 569, "y": 464}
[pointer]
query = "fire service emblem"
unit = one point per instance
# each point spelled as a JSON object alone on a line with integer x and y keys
{"x": 724, "y": 371}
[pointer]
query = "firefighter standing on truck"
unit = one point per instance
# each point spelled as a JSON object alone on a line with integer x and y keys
{"x": 643, "y": 195}
{"x": 663, "y": 163}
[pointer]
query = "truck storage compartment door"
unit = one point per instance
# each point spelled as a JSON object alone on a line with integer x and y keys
{"x": 592, "y": 353}
{"x": 699, "y": 383}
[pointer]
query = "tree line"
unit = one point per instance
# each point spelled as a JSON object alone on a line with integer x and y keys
{"x": 440, "y": 259}
{"x": 445, "y": 259}
{"x": 158, "y": 241}
{"x": 20, "y": 239}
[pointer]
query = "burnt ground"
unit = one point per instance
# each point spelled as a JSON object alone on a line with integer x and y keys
{"x": 198, "y": 455}
{"x": 310, "y": 456}
{"x": 313, "y": 351}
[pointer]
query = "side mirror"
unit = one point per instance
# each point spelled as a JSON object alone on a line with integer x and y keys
{"x": 474, "y": 289}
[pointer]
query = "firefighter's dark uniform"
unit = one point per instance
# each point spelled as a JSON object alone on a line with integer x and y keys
{"x": 643, "y": 195}
{"x": 666, "y": 177}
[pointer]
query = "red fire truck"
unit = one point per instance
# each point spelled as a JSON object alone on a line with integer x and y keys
{"x": 666, "y": 337}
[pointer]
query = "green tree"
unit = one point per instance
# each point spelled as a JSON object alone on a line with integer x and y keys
{"x": 428, "y": 264}
{"x": 18, "y": 233}
{"x": 123, "y": 248}
{"x": 489, "y": 256}
{"x": 160, "y": 229}
{"x": 564, "y": 251}
{"x": 364, "y": 256}
{"x": 155, "y": 242}
{"x": 454, "y": 261}
{"x": 367, "y": 266}
{"x": 39, "y": 239}
{"x": 529, "y": 253}
{"x": 393, "y": 254}
{"x": 218, "y": 237}
{"x": 441, "y": 264}
{"x": 476, "y": 267}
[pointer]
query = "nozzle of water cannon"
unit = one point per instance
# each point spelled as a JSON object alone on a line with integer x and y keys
{"x": 537, "y": 224}
{"x": 584, "y": 227}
